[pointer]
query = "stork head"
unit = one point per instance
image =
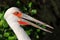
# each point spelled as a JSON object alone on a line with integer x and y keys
{"x": 16, "y": 14}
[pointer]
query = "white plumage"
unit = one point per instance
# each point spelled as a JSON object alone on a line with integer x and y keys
{"x": 12, "y": 21}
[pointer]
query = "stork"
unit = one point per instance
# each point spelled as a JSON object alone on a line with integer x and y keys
{"x": 15, "y": 18}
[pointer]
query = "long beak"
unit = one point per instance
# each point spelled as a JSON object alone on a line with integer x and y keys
{"x": 24, "y": 16}
{"x": 36, "y": 26}
{"x": 37, "y": 21}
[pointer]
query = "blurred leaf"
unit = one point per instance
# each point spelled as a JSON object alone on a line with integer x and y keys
{"x": 2, "y": 20}
{"x": 38, "y": 30}
{"x": 11, "y": 38}
{"x": 34, "y": 11}
{"x": 6, "y": 34}
{"x": 25, "y": 8}
{"x": 1, "y": 36}
{"x": 15, "y": 36}
{"x": 1, "y": 15}
{"x": 37, "y": 36}
{"x": 5, "y": 24}
{"x": 30, "y": 5}
{"x": 43, "y": 26}
{"x": 1, "y": 24}
{"x": 29, "y": 31}
{"x": 18, "y": 2}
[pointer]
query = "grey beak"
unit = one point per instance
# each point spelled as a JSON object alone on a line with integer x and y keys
{"x": 37, "y": 21}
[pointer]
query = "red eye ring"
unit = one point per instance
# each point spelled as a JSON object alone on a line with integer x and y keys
{"x": 18, "y": 14}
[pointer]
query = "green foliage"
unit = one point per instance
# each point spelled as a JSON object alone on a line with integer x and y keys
{"x": 43, "y": 26}
{"x": 1, "y": 36}
{"x": 30, "y": 4}
{"x": 1, "y": 15}
{"x": 38, "y": 30}
{"x": 6, "y": 34}
{"x": 1, "y": 24}
{"x": 33, "y": 11}
{"x": 18, "y": 3}
{"x": 11, "y": 38}
{"x": 29, "y": 31}
{"x": 5, "y": 24}
{"x": 37, "y": 36}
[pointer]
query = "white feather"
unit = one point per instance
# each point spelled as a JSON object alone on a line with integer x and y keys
{"x": 12, "y": 21}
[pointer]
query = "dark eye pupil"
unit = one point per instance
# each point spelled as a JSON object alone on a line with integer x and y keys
{"x": 16, "y": 12}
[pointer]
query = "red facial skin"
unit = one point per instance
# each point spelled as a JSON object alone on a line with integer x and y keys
{"x": 19, "y": 14}
{"x": 23, "y": 23}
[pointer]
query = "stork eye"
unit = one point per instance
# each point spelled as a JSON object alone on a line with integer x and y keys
{"x": 16, "y": 13}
